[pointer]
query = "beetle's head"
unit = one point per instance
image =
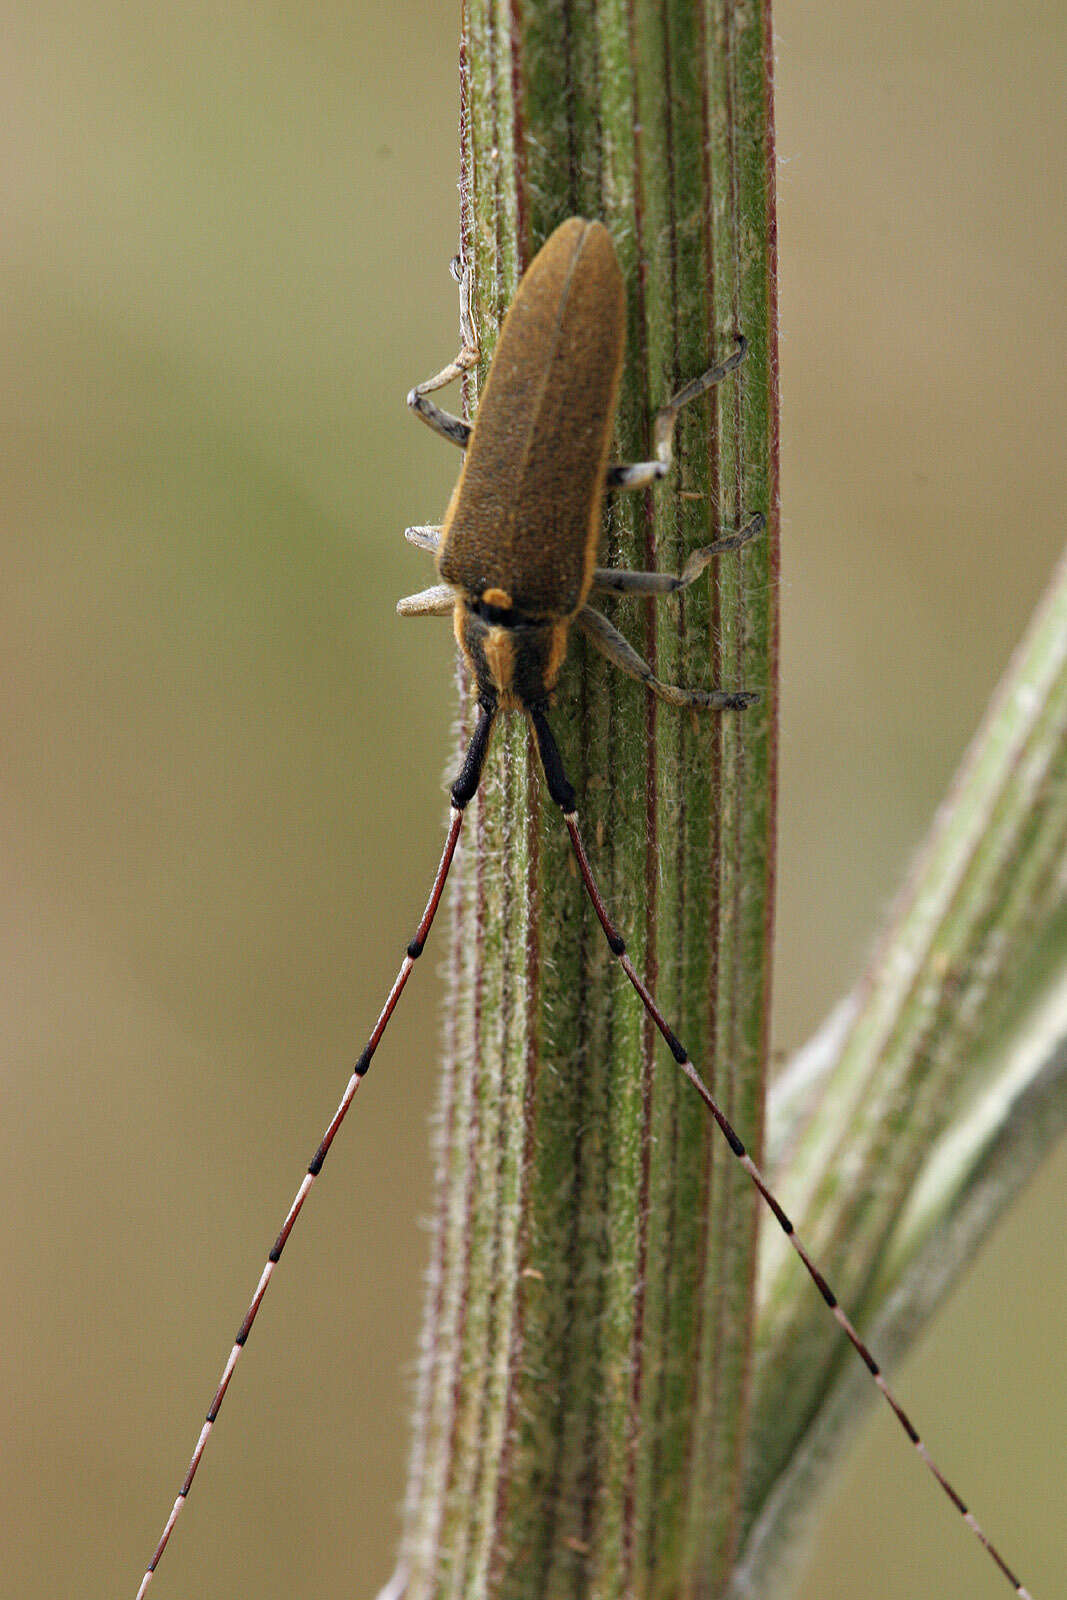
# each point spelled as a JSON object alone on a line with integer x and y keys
{"x": 515, "y": 657}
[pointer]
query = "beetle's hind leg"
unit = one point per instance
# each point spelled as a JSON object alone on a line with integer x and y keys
{"x": 621, "y": 653}
{"x": 620, "y": 580}
{"x": 639, "y": 474}
{"x": 443, "y": 422}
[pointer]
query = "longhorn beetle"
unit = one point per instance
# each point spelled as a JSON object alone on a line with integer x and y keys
{"x": 516, "y": 554}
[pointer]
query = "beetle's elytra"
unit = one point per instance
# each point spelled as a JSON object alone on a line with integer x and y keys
{"x": 516, "y": 555}
{"x": 517, "y": 549}
{"x": 521, "y": 532}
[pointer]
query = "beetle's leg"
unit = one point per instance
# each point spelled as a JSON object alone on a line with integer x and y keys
{"x": 440, "y": 601}
{"x": 619, "y": 580}
{"x": 443, "y": 422}
{"x": 639, "y": 474}
{"x": 454, "y": 429}
{"x": 427, "y": 538}
{"x": 621, "y": 653}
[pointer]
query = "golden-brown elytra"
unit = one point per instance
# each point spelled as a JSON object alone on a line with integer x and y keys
{"x": 521, "y": 532}
{"x": 517, "y": 549}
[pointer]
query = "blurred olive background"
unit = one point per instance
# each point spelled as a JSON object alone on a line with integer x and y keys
{"x": 224, "y": 262}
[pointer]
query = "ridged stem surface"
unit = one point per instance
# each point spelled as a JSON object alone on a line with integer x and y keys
{"x": 586, "y": 1355}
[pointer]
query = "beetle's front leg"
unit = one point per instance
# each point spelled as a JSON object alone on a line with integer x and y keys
{"x": 639, "y": 474}
{"x": 443, "y": 422}
{"x": 621, "y": 653}
{"x": 438, "y": 601}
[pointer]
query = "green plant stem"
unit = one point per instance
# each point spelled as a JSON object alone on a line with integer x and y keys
{"x": 901, "y": 1138}
{"x": 586, "y": 1354}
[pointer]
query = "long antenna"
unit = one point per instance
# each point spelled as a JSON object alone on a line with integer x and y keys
{"x": 463, "y": 791}
{"x": 563, "y": 794}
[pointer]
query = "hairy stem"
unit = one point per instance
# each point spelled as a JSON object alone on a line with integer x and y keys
{"x": 586, "y": 1356}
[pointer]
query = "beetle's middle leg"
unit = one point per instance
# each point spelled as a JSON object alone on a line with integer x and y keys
{"x": 639, "y": 474}
{"x": 443, "y": 422}
{"x": 427, "y": 536}
{"x": 621, "y": 653}
{"x": 620, "y": 580}
{"x": 438, "y": 601}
